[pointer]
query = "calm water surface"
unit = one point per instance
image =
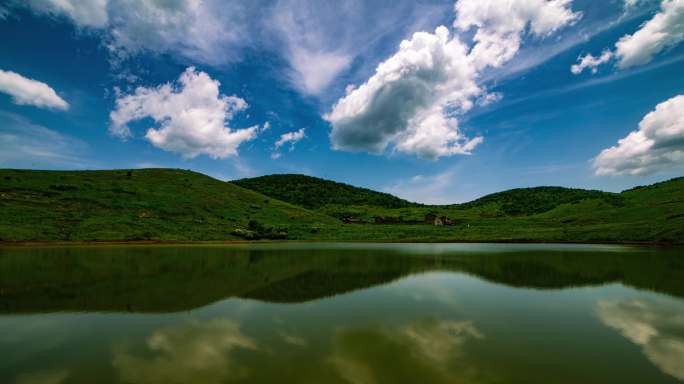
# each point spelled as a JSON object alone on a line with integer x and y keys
{"x": 342, "y": 313}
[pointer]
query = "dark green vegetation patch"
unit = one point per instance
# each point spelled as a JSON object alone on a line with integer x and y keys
{"x": 530, "y": 201}
{"x": 314, "y": 193}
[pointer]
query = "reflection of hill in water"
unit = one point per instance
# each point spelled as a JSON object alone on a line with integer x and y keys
{"x": 166, "y": 279}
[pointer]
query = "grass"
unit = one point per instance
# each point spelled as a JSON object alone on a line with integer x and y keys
{"x": 170, "y": 204}
{"x": 159, "y": 204}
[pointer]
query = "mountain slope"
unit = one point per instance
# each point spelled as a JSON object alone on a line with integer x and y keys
{"x": 530, "y": 201}
{"x": 315, "y": 193}
{"x": 136, "y": 205}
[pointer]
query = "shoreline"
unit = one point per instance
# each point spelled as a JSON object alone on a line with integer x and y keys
{"x": 95, "y": 243}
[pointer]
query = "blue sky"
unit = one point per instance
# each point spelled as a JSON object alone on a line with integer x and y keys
{"x": 489, "y": 101}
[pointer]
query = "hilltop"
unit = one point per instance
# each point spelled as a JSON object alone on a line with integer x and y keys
{"x": 141, "y": 204}
{"x": 530, "y": 201}
{"x": 316, "y": 193}
{"x": 172, "y": 204}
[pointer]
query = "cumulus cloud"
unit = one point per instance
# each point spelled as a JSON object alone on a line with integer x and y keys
{"x": 290, "y": 137}
{"x": 192, "y": 116}
{"x": 404, "y": 101}
{"x": 501, "y": 24}
{"x": 655, "y": 326}
{"x": 663, "y": 31}
{"x": 657, "y": 145}
{"x": 591, "y": 62}
{"x": 25, "y": 91}
{"x": 412, "y": 101}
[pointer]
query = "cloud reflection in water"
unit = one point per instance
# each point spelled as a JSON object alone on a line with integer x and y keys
{"x": 657, "y": 327}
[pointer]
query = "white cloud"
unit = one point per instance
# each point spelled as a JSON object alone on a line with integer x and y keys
{"x": 290, "y": 137}
{"x": 405, "y": 101}
{"x": 629, "y": 5}
{"x": 655, "y": 326}
{"x": 315, "y": 70}
{"x": 314, "y": 48}
{"x": 25, "y": 91}
{"x": 664, "y": 30}
{"x": 500, "y": 25}
{"x": 657, "y": 145}
{"x": 321, "y": 42}
{"x": 202, "y": 30}
{"x": 87, "y": 13}
{"x": 195, "y": 29}
{"x": 192, "y": 116}
{"x": 412, "y": 101}
{"x": 28, "y": 145}
{"x": 591, "y": 62}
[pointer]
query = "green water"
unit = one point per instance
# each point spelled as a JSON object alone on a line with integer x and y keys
{"x": 342, "y": 313}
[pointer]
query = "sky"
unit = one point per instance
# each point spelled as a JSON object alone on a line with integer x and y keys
{"x": 434, "y": 101}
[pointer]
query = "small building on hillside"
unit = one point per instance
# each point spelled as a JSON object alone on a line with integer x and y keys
{"x": 433, "y": 219}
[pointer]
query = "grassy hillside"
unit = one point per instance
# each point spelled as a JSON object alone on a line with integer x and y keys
{"x": 315, "y": 193}
{"x": 644, "y": 214}
{"x": 530, "y": 201}
{"x": 345, "y": 201}
{"x": 166, "y": 204}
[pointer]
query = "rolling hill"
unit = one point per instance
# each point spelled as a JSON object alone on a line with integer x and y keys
{"x": 530, "y": 201}
{"x": 315, "y": 193}
{"x": 171, "y": 204}
{"x": 142, "y": 204}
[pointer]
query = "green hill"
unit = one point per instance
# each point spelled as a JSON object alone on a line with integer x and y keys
{"x": 315, "y": 193}
{"x": 552, "y": 214}
{"x": 160, "y": 204}
{"x": 530, "y": 201}
{"x": 168, "y": 204}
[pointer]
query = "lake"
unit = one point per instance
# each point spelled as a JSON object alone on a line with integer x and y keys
{"x": 342, "y": 313}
